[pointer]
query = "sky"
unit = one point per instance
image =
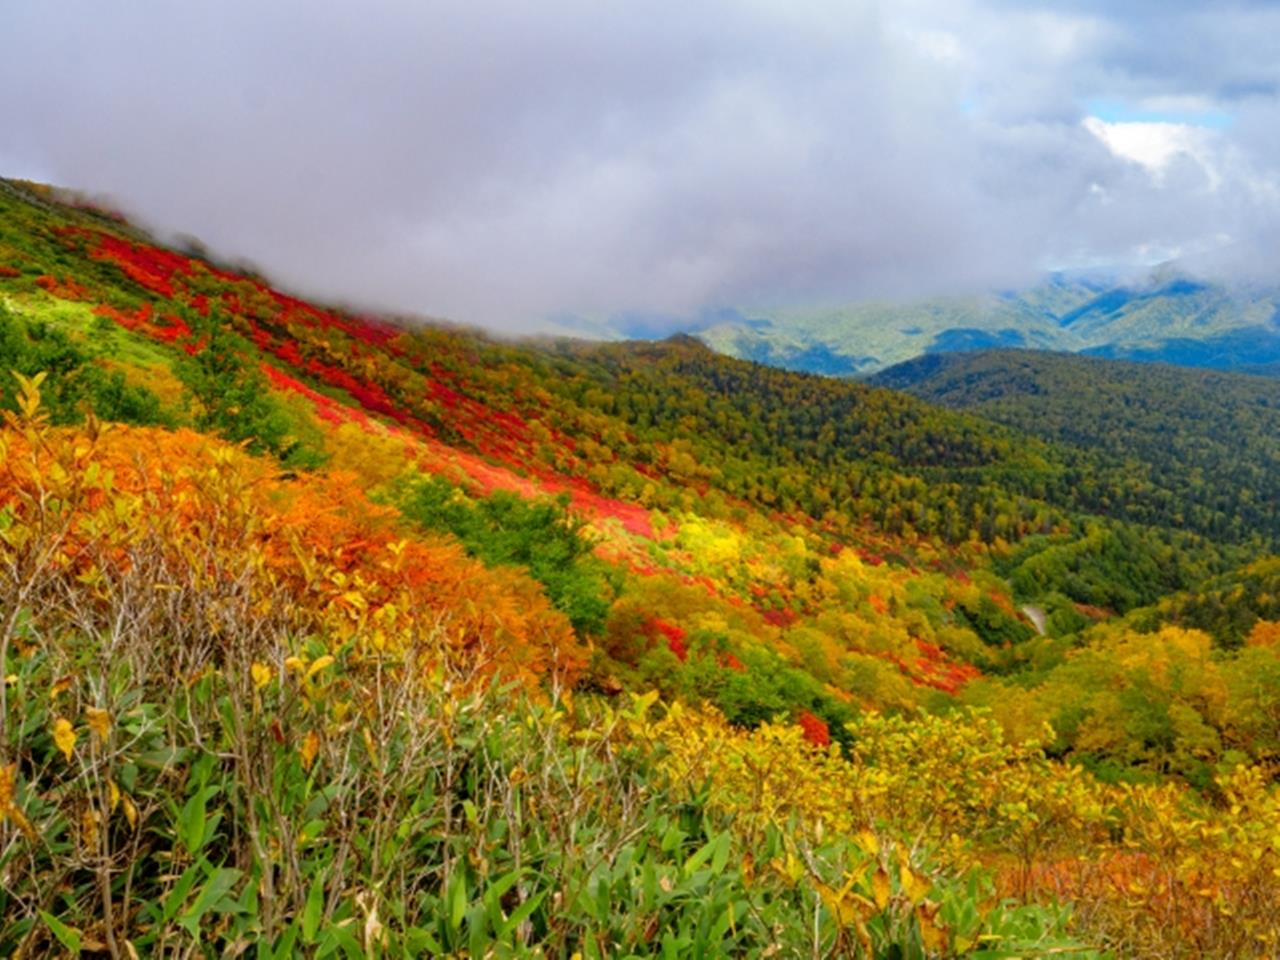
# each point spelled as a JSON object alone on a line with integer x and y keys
{"x": 510, "y": 163}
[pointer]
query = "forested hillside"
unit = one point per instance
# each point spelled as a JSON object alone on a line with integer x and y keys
{"x": 328, "y": 634}
{"x": 1212, "y": 439}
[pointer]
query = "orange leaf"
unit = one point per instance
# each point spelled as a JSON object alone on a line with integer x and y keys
{"x": 310, "y": 746}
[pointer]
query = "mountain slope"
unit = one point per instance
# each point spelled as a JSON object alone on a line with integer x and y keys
{"x": 337, "y": 634}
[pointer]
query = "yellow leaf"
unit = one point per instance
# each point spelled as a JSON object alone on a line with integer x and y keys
{"x": 310, "y": 746}
{"x": 261, "y": 674}
{"x": 8, "y": 809}
{"x": 933, "y": 933}
{"x": 130, "y": 811}
{"x": 99, "y": 722}
{"x": 64, "y": 736}
{"x": 320, "y": 664}
{"x": 916, "y": 888}
{"x": 640, "y": 703}
{"x": 113, "y": 796}
{"x": 869, "y": 842}
{"x": 296, "y": 664}
{"x": 89, "y": 827}
{"x": 794, "y": 868}
{"x": 880, "y": 888}
{"x": 60, "y": 686}
{"x": 840, "y": 906}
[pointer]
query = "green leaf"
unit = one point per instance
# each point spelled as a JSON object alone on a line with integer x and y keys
{"x": 421, "y": 943}
{"x": 69, "y": 937}
{"x": 721, "y": 926}
{"x": 520, "y": 915}
{"x": 478, "y": 930}
{"x": 313, "y": 909}
{"x": 494, "y": 893}
{"x": 457, "y": 900}
{"x": 699, "y": 858}
{"x": 191, "y": 822}
{"x": 285, "y": 948}
{"x": 178, "y": 895}
{"x": 672, "y": 838}
{"x": 209, "y": 898}
{"x": 335, "y": 936}
{"x": 310, "y": 830}
{"x": 721, "y": 856}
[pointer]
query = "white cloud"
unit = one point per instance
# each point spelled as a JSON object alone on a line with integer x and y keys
{"x": 1156, "y": 145}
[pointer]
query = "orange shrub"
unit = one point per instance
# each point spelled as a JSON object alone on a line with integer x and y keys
{"x": 218, "y": 539}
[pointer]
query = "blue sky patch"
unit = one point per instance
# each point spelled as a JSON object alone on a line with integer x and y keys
{"x": 1117, "y": 111}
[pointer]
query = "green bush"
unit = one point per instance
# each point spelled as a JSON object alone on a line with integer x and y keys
{"x": 233, "y": 398}
{"x": 539, "y": 535}
{"x": 76, "y": 384}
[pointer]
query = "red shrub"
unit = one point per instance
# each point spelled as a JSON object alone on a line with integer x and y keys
{"x": 815, "y": 729}
{"x": 66, "y": 289}
{"x": 149, "y": 267}
{"x": 730, "y": 662}
{"x": 675, "y": 637}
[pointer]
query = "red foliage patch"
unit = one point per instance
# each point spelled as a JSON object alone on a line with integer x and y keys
{"x": 1092, "y": 612}
{"x": 778, "y": 618}
{"x": 450, "y": 399}
{"x": 149, "y": 267}
{"x": 730, "y": 662}
{"x": 675, "y": 637}
{"x": 9, "y": 271}
{"x": 168, "y": 329}
{"x": 369, "y": 395}
{"x": 66, "y": 289}
{"x": 326, "y": 408}
{"x": 633, "y": 517}
{"x": 933, "y": 669}
{"x": 1004, "y": 602}
{"x": 815, "y": 729}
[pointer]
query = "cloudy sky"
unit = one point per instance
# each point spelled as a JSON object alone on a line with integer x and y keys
{"x": 506, "y": 162}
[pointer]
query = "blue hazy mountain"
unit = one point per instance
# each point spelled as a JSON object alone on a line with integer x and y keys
{"x": 1164, "y": 315}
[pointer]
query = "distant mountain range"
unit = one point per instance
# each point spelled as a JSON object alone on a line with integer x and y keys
{"x": 1164, "y": 316}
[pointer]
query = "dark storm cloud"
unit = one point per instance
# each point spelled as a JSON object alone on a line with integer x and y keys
{"x": 503, "y": 162}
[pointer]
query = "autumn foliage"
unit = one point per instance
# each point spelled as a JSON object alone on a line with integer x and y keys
{"x": 920, "y": 686}
{"x": 91, "y": 507}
